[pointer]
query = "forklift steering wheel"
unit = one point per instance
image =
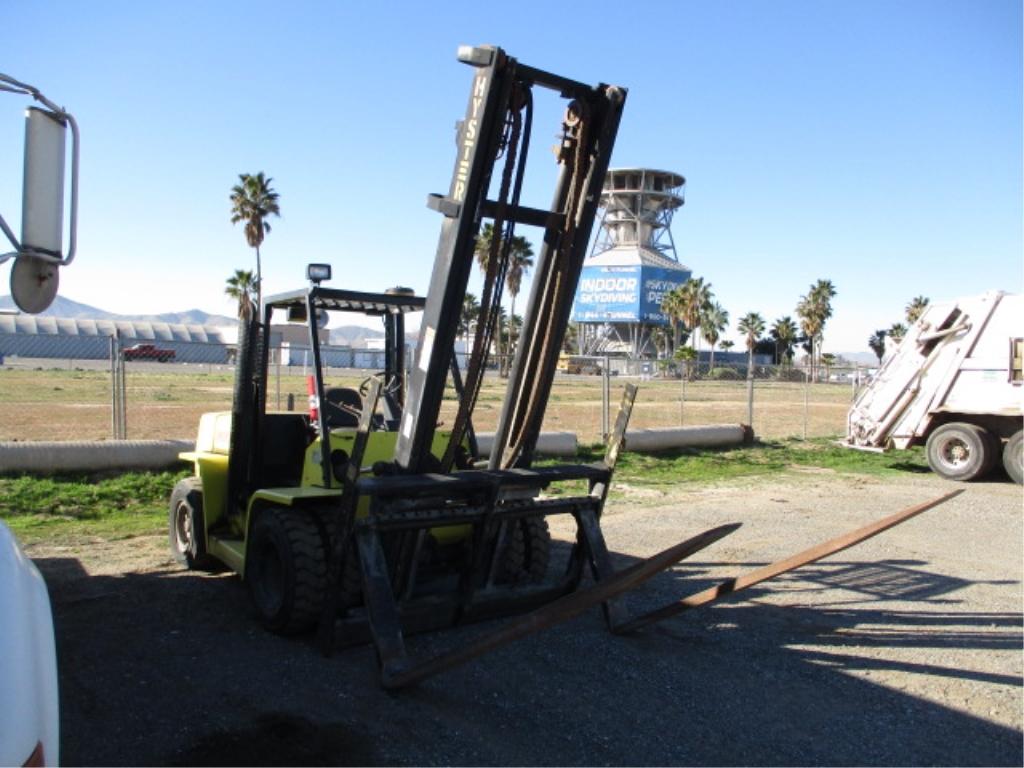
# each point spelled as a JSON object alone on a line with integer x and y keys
{"x": 364, "y": 388}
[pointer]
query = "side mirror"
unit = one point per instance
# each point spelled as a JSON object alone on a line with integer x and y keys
{"x": 39, "y": 254}
{"x": 42, "y": 205}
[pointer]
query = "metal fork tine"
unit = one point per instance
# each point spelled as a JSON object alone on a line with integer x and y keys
{"x": 556, "y": 612}
{"x": 732, "y": 586}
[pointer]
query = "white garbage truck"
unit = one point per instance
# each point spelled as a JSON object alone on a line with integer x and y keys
{"x": 954, "y": 384}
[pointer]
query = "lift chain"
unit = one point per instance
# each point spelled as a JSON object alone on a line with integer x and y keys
{"x": 494, "y": 279}
{"x": 574, "y": 152}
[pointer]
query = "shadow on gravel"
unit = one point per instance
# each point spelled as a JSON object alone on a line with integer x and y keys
{"x": 279, "y": 739}
{"x": 881, "y": 580}
{"x": 168, "y": 667}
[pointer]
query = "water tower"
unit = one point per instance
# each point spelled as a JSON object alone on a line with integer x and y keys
{"x": 632, "y": 265}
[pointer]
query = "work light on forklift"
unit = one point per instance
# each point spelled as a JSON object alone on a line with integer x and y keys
{"x": 315, "y": 273}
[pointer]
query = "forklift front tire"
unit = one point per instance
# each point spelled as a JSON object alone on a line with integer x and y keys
{"x": 286, "y": 570}
{"x": 186, "y": 526}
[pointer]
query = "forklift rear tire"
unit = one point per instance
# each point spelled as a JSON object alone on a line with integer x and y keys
{"x": 186, "y": 527}
{"x": 1013, "y": 457}
{"x": 286, "y": 570}
{"x": 960, "y": 451}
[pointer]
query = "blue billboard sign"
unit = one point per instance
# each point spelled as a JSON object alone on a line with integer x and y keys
{"x": 624, "y": 294}
{"x": 657, "y": 281}
{"x": 608, "y": 294}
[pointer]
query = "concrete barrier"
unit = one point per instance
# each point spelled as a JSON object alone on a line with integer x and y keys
{"x": 705, "y": 436}
{"x": 549, "y": 443}
{"x": 88, "y": 456}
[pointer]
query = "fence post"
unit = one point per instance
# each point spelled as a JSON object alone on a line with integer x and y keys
{"x": 124, "y": 394}
{"x": 118, "y": 390}
{"x": 605, "y": 397}
{"x": 807, "y": 391}
{"x": 113, "y": 388}
{"x": 682, "y": 402}
{"x": 750, "y": 396}
{"x": 278, "y": 377}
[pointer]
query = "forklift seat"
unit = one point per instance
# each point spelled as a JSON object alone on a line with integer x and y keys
{"x": 285, "y": 438}
{"x": 336, "y": 415}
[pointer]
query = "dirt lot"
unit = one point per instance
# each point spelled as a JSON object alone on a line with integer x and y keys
{"x": 905, "y": 650}
{"x": 166, "y": 401}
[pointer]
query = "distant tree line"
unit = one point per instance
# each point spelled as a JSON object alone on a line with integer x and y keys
{"x": 694, "y": 314}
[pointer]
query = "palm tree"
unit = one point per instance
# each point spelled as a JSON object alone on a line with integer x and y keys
{"x": 572, "y": 336}
{"x": 686, "y": 355}
{"x": 695, "y": 298}
{"x": 659, "y": 338}
{"x": 672, "y": 306}
{"x": 515, "y": 327}
{"x": 828, "y": 360}
{"x": 897, "y": 331}
{"x": 751, "y": 325}
{"x": 241, "y": 286}
{"x": 482, "y": 247}
{"x": 482, "y": 250}
{"x": 916, "y": 308}
{"x": 252, "y": 201}
{"x": 520, "y": 260}
{"x": 810, "y": 323}
{"x": 468, "y": 316}
{"x": 877, "y": 343}
{"x": 814, "y": 310}
{"x": 714, "y": 321}
{"x": 784, "y": 331}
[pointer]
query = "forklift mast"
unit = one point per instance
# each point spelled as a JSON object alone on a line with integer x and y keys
{"x": 497, "y": 127}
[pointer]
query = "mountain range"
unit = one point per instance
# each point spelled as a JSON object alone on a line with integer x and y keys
{"x": 64, "y": 307}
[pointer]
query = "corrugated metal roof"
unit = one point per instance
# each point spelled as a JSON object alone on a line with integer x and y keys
{"x": 34, "y": 325}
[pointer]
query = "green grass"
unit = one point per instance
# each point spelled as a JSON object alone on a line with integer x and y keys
{"x": 762, "y": 458}
{"x": 73, "y": 506}
{"x": 115, "y": 507}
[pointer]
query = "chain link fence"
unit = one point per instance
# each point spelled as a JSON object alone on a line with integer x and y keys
{"x": 97, "y": 388}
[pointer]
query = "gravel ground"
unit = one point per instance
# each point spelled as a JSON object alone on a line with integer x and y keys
{"x": 906, "y": 650}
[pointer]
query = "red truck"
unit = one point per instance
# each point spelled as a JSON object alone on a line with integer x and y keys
{"x": 148, "y": 352}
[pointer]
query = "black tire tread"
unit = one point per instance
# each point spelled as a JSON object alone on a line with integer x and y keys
{"x": 527, "y": 551}
{"x": 1012, "y": 457}
{"x": 190, "y": 490}
{"x": 984, "y": 444}
{"x": 301, "y": 609}
{"x": 351, "y": 577}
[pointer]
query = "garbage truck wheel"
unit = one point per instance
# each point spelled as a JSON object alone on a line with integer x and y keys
{"x": 960, "y": 451}
{"x": 1013, "y": 457}
{"x": 286, "y": 570}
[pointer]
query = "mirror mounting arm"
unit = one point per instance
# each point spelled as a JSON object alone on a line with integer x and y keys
{"x": 11, "y": 85}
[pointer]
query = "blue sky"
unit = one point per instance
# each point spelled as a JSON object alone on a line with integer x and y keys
{"x": 876, "y": 144}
